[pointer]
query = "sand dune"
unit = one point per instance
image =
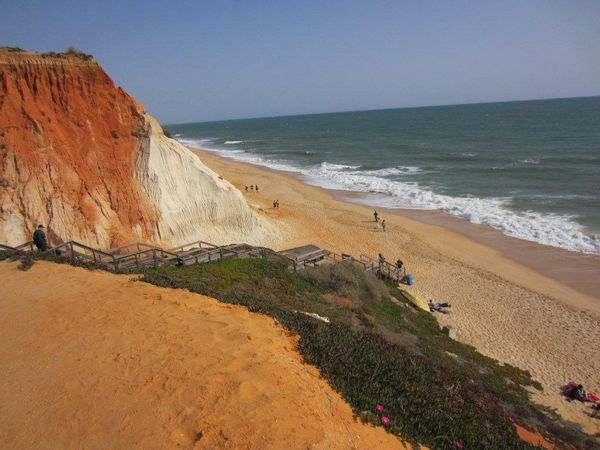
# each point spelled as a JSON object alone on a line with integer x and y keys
{"x": 95, "y": 360}
{"x": 505, "y": 309}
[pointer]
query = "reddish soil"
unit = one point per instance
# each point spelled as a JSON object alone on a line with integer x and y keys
{"x": 69, "y": 136}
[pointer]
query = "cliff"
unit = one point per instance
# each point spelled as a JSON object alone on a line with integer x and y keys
{"x": 82, "y": 157}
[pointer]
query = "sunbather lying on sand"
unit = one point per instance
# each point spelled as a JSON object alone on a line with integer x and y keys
{"x": 438, "y": 307}
{"x": 577, "y": 392}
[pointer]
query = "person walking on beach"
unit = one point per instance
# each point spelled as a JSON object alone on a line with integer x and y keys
{"x": 383, "y": 224}
{"x": 376, "y": 215}
{"x": 277, "y": 203}
{"x": 256, "y": 187}
{"x": 251, "y": 188}
{"x": 39, "y": 238}
{"x": 246, "y": 188}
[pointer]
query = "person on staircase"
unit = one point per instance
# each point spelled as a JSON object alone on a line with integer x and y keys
{"x": 39, "y": 239}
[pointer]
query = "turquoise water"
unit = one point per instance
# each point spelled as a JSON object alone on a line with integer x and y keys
{"x": 530, "y": 169}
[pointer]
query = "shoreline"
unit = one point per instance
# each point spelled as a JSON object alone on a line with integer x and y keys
{"x": 574, "y": 269}
{"x": 506, "y": 307}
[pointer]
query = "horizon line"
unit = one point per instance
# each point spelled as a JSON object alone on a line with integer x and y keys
{"x": 380, "y": 109}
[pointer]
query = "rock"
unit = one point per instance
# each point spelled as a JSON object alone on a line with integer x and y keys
{"x": 450, "y": 332}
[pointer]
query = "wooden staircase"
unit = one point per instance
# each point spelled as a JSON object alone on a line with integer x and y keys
{"x": 137, "y": 255}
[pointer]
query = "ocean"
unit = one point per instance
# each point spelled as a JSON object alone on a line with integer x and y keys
{"x": 530, "y": 168}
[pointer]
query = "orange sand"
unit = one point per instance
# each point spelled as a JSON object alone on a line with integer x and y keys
{"x": 534, "y": 438}
{"x": 95, "y": 360}
{"x": 505, "y": 309}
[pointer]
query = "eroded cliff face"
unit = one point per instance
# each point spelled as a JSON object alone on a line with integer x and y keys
{"x": 194, "y": 202}
{"x": 82, "y": 157}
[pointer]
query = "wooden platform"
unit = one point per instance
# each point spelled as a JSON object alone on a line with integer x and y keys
{"x": 305, "y": 256}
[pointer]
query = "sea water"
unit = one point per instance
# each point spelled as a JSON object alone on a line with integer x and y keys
{"x": 530, "y": 169}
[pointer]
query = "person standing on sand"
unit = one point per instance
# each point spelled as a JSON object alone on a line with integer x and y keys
{"x": 39, "y": 238}
{"x": 376, "y": 215}
{"x": 277, "y": 203}
{"x": 383, "y": 224}
{"x": 251, "y": 188}
{"x": 256, "y": 187}
{"x": 246, "y": 188}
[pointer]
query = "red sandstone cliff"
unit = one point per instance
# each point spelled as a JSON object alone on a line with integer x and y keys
{"x": 82, "y": 157}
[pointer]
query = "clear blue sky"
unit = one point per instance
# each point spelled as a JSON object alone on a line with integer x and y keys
{"x": 207, "y": 60}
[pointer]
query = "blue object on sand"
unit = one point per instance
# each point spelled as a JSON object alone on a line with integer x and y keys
{"x": 409, "y": 279}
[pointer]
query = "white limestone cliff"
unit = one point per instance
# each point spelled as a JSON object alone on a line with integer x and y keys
{"x": 192, "y": 201}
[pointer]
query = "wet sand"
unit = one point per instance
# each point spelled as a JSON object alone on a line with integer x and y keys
{"x": 543, "y": 316}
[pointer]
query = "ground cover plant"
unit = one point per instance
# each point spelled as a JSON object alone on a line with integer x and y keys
{"x": 378, "y": 351}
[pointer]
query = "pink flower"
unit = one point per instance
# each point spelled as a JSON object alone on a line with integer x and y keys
{"x": 385, "y": 421}
{"x": 379, "y": 408}
{"x": 512, "y": 420}
{"x": 458, "y": 444}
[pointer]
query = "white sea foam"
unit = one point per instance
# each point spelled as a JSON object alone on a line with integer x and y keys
{"x": 398, "y": 170}
{"x": 529, "y": 161}
{"x": 332, "y": 167}
{"x": 549, "y": 229}
{"x": 196, "y": 143}
{"x": 233, "y": 142}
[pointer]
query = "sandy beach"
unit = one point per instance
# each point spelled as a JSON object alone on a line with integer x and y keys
{"x": 95, "y": 360}
{"x": 516, "y": 312}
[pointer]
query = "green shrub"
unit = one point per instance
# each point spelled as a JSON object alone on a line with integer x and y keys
{"x": 26, "y": 261}
{"x": 4, "y": 254}
{"x": 74, "y": 51}
{"x": 347, "y": 279}
{"x": 166, "y": 133}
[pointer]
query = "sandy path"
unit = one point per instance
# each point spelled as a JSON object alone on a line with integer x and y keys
{"x": 505, "y": 309}
{"x": 95, "y": 360}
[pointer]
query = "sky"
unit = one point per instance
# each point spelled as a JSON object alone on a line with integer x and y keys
{"x": 192, "y": 61}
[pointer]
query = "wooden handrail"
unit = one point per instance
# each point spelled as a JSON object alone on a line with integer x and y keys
{"x": 181, "y": 247}
{"x": 148, "y": 254}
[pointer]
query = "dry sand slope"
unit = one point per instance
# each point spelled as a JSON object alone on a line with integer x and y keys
{"x": 95, "y": 360}
{"x": 506, "y": 310}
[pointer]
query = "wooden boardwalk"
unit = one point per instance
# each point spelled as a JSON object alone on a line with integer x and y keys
{"x": 137, "y": 255}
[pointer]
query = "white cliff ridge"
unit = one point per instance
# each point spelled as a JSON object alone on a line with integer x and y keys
{"x": 193, "y": 202}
